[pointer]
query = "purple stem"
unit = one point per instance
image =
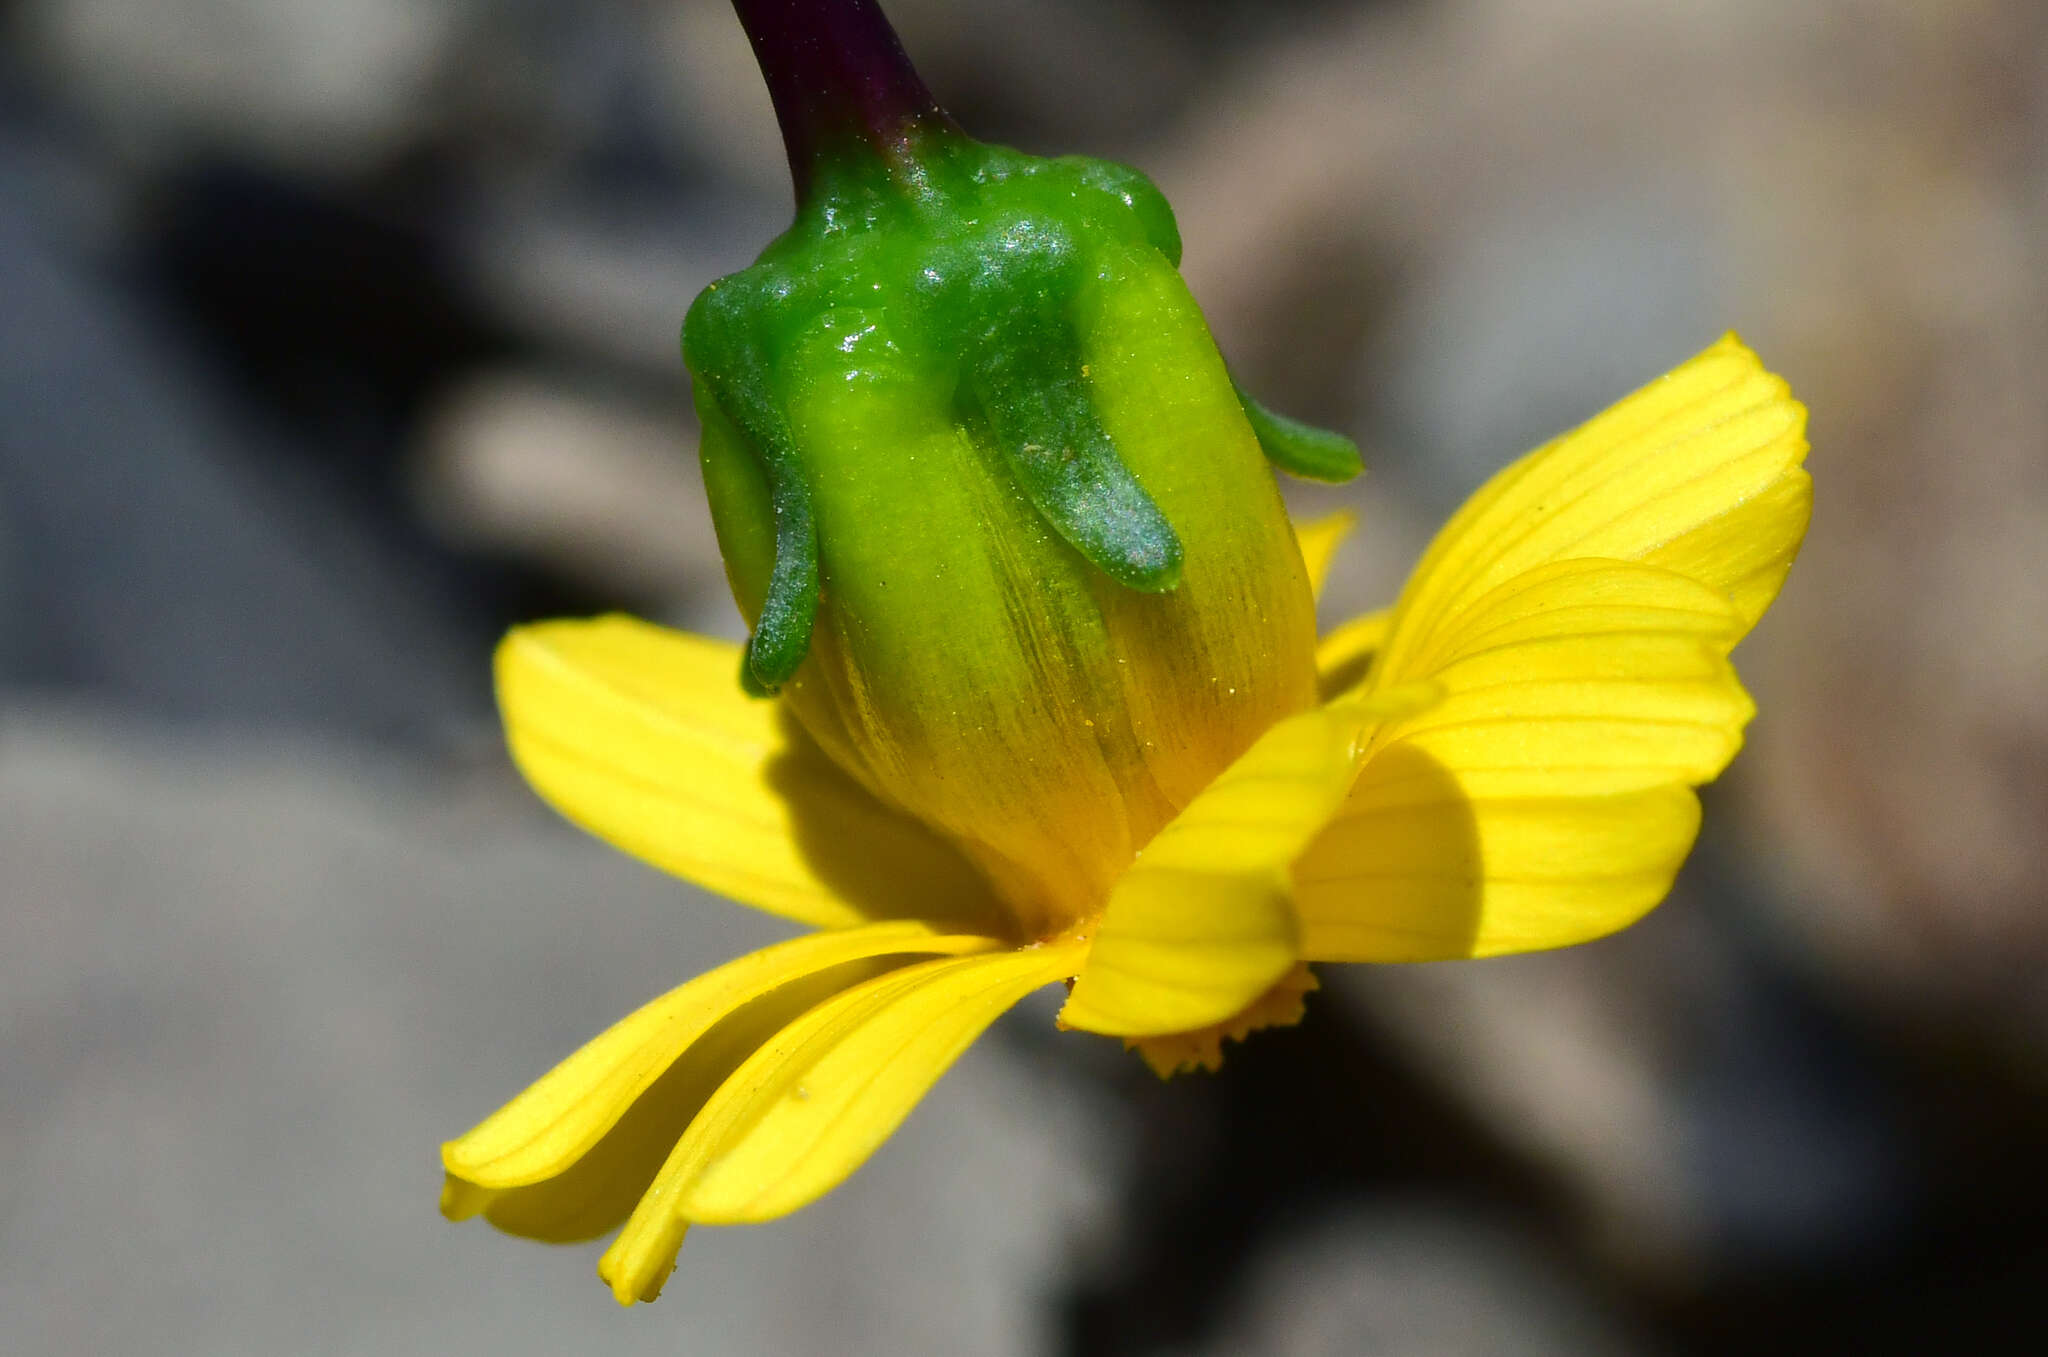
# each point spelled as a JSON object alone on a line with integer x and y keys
{"x": 839, "y": 79}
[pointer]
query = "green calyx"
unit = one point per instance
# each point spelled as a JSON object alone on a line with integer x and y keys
{"x": 963, "y": 264}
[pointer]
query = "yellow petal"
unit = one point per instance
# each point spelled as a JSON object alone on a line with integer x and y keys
{"x": 1201, "y": 924}
{"x": 818, "y": 1098}
{"x": 1346, "y": 653}
{"x": 1546, "y": 799}
{"x": 642, "y": 736}
{"x": 1746, "y": 551}
{"x": 563, "y": 1114}
{"x": 1699, "y": 472}
{"x": 567, "y": 1158}
{"x": 1319, "y": 539}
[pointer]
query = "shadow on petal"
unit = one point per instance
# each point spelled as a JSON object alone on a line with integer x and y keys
{"x": 877, "y": 860}
{"x": 1427, "y": 863}
{"x": 1399, "y": 875}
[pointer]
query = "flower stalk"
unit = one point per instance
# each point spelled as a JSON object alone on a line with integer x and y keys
{"x": 842, "y": 86}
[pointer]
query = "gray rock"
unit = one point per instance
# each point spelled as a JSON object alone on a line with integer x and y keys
{"x": 333, "y": 84}
{"x": 155, "y": 552}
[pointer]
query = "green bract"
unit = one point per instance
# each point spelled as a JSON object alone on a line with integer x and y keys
{"x": 960, "y": 277}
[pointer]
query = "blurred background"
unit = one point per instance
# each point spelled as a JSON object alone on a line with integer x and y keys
{"x": 337, "y": 335}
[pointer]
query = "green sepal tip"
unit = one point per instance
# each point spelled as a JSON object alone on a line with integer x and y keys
{"x": 782, "y": 633}
{"x": 1038, "y": 407}
{"x": 1300, "y": 449}
{"x": 740, "y": 386}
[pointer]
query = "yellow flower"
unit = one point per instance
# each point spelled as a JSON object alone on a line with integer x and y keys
{"x": 1503, "y": 761}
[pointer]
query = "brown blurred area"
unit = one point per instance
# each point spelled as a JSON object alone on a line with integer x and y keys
{"x": 337, "y": 335}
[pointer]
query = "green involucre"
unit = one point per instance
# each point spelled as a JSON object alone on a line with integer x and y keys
{"x": 960, "y": 265}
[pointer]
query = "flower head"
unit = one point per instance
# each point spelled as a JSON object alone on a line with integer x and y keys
{"x": 1051, "y": 708}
